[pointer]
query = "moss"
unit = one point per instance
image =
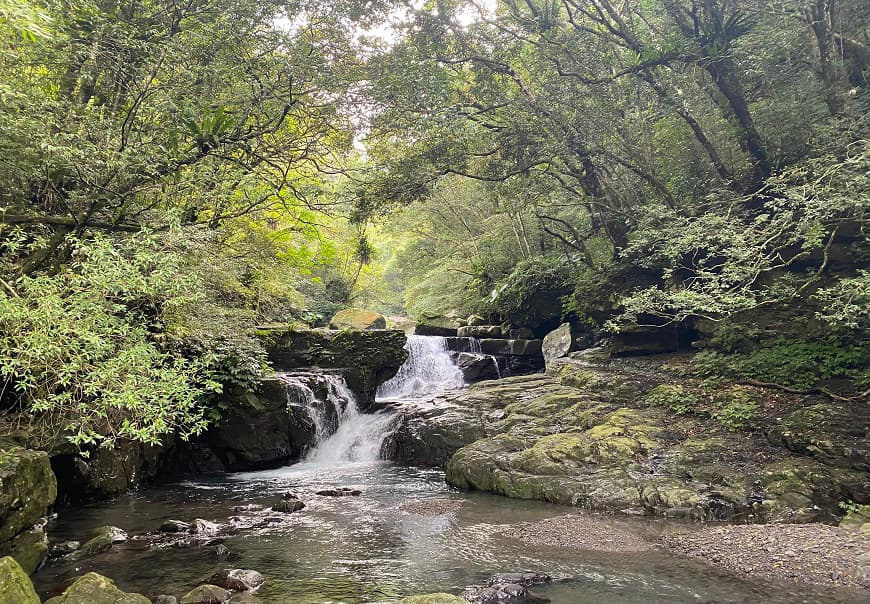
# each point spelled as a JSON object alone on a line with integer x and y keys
{"x": 15, "y": 586}
{"x": 96, "y": 589}
{"x": 675, "y": 398}
{"x": 27, "y": 490}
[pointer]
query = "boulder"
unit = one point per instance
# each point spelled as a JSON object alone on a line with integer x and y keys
{"x": 96, "y": 589}
{"x": 64, "y": 548}
{"x": 559, "y": 343}
{"x": 205, "y": 528}
{"x": 100, "y": 540}
{"x": 511, "y": 593}
{"x": 165, "y": 599}
{"x": 29, "y": 549}
{"x": 358, "y": 319}
{"x": 438, "y": 325}
{"x": 521, "y": 333}
{"x": 238, "y": 579}
{"x": 525, "y": 579}
{"x": 207, "y": 594}
{"x": 15, "y": 585}
{"x": 475, "y": 320}
{"x": 288, "y": 506}
{"x": 27, "y": 490}
{"x": 476, "y": 367}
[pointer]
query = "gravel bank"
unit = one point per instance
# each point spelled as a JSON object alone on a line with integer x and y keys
{"x": 577, "y": 531}
{"x": 809, "y": 553}
{"x": 431, "y": 507}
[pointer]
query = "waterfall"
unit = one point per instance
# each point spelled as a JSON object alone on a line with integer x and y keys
{"x": 429, "y": 369}
{"x": 475, "y": 348}
{"x": 341, "y": 432}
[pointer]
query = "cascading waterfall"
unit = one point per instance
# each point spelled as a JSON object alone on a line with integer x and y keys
{"x": 429, "y": 369}
{"x": 341, "y": 432}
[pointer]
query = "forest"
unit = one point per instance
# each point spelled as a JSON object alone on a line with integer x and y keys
{"x": 178, "y": 177}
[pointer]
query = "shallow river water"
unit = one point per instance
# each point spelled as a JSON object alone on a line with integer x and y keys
{"x": 366, "y": 549}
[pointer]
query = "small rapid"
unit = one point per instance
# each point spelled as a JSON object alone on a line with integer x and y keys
{"x": 428, "y": 370}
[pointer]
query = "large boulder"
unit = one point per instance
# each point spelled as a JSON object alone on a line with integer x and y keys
{"x": 29, "y": 549}
{"x": 27, "y": 490}
{"x": 96, "y": 589}
{"x": 15, "y": 586}
{"x": 207, "y": 594}
{"x": 438, "y": 325}
{"x": 559, "y": 342}
{"x": 481, "y": 331}
{"x": 358, "y": 319}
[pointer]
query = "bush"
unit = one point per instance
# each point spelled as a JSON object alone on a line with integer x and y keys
{"x": 674, "y": 398}
{"x": 738, "y": 410}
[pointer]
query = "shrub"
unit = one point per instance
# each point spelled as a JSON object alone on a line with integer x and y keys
{"x": 738, "y": 410}
{"x": 675, "y": 398}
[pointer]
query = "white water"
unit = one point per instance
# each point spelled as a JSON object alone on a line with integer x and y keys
{"x": 341, "y": 432}
{"x": 428, "y": 370}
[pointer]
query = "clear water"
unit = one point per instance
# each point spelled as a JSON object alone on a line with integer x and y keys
{"x": 428, "y": 369}
{"x": 366, "y": 549}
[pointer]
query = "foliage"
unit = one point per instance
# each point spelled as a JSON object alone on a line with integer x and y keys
{"x": 674, "y": 398}
{"x": 738, "y": 410}
{"x": 794, "y": 363}
{"x": 80, "y": 348}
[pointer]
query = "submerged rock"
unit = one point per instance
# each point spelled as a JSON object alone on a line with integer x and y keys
{"x": 207, "y": 594}
{"x": 340, "y": 492}
{"x": 174, "y": 526}
{"x": 238, "y": 579}
{"x": 96, "y": 589}
{"x": 222, "y": 552}
{"x": 100, "y": 540}
{"x": 438, "y": 598}
{"x": 15, "y": 585}
{"x": 204, "y": 527}
{"x": 64, "y": 548}
{"x": 288, "y": 506}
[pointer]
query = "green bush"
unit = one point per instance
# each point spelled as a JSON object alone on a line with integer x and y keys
{"x": 738, "y": 410}
{"x": 675, "y": 398}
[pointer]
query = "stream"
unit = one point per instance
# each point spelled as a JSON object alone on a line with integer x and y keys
{"x": 366, "y": 549}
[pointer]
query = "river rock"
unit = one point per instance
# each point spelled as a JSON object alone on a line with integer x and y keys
{"x": 174, "y": 526}
{"x": 509, "y": 592}
{"x": 527, "y": 579}
{"x": 521, "y": 333}
{"x": 15, "y": 586}
{"x": 100, "y": 540}
{"x": 204, "y": 527}
{"x": 438, "y": 325}
{"x": 511, "y": 347}
{"x": 165, "y": 599}
{"x": 238, "y": 579}
{"x": 475, "y": 320}
{"x": 222, "y": 552}
{"x": 340, "y": 492}
{"x": 207, "y": 594}
{"x": 96, "y": 589}
{"x": 559, "y": 342}
{"x": 476, "y": 367}
{"x": 64, "y": 548}
{"x": 358, "y": 319}
{"x": 288, "y": 506}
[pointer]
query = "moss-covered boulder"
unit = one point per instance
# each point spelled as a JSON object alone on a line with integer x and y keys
{"x": 438, "y": 598}
{"x": 207, "y": 594}
{"x": 27, "y": 490}
{"x": 358, "y": 319}
{"x": 29, "y": 549}
{"x": 15, "y": 585}
{"x": 96, "y": 589}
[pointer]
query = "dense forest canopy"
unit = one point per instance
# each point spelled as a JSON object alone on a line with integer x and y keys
{"x": 175, "y": 173}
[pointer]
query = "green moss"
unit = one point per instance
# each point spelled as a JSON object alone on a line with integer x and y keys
{"x": 27, "y": 490}
{"x": 675, "y": 398}
{"x": 440, "y": 598}
{"x": 96, "y": 589}
{"x": 15, "y": 586}
{"x": 738, "y": 409}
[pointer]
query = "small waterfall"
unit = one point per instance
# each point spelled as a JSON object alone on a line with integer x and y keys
{"x": 429, "y": 369}
{"x": 341, "y": 432}
{"x": 474, "y": 348}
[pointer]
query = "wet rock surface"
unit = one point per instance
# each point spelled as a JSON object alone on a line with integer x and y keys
{"x": 238, "y": 579}
{"x": 15, "y": 586}
{"x": 93, "y": 588}
{"x": 339, "y": 492}
{"x": 207, "y": 594}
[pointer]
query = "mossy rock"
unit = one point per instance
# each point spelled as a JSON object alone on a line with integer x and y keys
{"x": 29, "y": 549}
{"x": 27, "y": 490}
{"x": 96, "y": 589}
{"x": 358, "y": 319}
{"x": 206, "y": 594}
{"x": 837, "y": 435}
{"x": 15, "y": 585}
{"x": 439, "y": 598}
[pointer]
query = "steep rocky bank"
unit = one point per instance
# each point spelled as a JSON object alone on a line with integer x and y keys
{"x": 631, "y": 436}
